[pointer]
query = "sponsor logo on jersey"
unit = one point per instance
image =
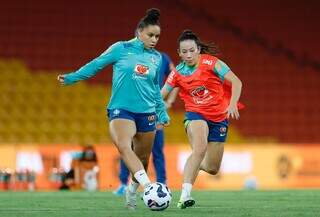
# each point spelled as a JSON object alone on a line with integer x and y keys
{"x": 201, "y": 95}
{"x": 141, "y": 69}
{"x": 171, "y": 76}
{"x": 200, "y": 91}
{"x": 208, "y": 62}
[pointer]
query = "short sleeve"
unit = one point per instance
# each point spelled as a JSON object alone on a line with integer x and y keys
{"x": 220, "y": 68}
{"x": 172, "y": 79}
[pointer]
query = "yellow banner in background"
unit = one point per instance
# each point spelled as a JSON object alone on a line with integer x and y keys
{"x": 262, "y": 166}
{"x": 268, "y": 166}
{"x": 7, "y": 156}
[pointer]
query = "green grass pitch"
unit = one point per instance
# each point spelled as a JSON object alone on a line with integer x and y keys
{"x": 208, "y": 203}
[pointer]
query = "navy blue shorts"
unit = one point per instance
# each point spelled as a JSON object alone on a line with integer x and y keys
{"x": 145, "y": 122}
{"x": 217, "y": 130}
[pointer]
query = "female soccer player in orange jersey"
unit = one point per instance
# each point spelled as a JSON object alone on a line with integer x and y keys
{"x": 202, "y": 79}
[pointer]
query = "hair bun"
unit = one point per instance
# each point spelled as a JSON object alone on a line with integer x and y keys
{"x": 153, "y": 14}
{"x": 152, "y": 17}
{"x": 188, "y": 32}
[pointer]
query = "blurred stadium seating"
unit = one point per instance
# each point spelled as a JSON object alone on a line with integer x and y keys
{"x": 276, "y": 54}
{"x": 36, "y": 109}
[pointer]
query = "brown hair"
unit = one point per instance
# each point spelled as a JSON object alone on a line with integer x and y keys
{"x": 205, "y": 48}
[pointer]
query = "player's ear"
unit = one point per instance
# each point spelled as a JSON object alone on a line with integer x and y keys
{"x": 138, "y": 32}
{"x": 199, "y": 49}
{"x": 178, "y": 50}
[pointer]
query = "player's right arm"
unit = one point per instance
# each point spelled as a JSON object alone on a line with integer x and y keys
{"x": 169, "y": 85}
{"x": 171, "y": 97}
{"x": 166, "y": 89}
{"x": 110, "y": 56}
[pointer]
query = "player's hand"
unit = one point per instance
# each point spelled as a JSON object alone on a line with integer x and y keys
{"x": 163, "y": 118}
{"x": 60, "y": 78}
{"x": 160, "y": 126}
{"x": 232, "y": 111}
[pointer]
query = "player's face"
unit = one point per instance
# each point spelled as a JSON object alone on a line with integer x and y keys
{"x": 149, "y": 35}
{"x": 189, "y": 52}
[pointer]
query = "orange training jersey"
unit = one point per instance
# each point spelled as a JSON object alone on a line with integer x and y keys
{"x": 203, "y": 91}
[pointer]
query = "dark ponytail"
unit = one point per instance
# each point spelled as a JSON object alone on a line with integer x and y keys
{"x": 206, "y": 48}
{"x": 151, "y": 18}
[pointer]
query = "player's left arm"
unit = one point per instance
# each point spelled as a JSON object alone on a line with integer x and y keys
{"x": 232, "y": 109}
{"x": 224, "y": 71}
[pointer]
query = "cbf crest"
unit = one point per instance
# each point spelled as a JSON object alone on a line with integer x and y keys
{"x": 153, "y": 60}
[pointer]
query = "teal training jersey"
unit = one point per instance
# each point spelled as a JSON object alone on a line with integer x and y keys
{"x": 135, "y": 85}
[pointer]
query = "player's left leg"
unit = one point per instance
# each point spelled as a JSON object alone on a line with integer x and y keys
{"x": 158, "y": 157}
{"x": 197, "y": 131}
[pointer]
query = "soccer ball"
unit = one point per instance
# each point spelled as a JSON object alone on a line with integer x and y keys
{"x": 157, "y": 196}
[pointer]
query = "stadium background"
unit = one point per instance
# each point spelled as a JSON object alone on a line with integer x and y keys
{"x": 273, "y": 48}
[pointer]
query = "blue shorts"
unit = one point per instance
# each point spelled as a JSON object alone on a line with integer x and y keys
{"x": 217, "y": 130}
{"x": 145, "y": 122}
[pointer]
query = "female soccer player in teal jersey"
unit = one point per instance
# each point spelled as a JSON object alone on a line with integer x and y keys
{"x": 136, "y": 103}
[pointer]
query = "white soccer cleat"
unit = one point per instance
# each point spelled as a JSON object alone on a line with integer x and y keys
{"x": 131, "y": 199}
{"x": 187, "y": 202}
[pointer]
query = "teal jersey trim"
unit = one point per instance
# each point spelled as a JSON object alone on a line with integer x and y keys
{"x": 185, "y": 70}
{"x": 220, "y": 68}
{"x": 168, "y": 87}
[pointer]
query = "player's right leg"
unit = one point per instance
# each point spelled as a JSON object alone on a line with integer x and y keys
{"x": 122, "y": 130}
{"x": 138, "y": 128}
{"x": 197, "y": 131}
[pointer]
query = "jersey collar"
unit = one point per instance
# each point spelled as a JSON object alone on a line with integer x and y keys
{"x": 138, "y": 43}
